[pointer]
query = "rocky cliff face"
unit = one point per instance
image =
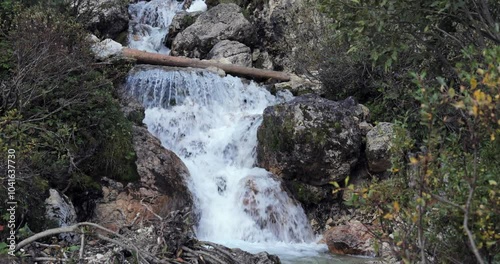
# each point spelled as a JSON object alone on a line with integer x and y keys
{"x": 161, "y": 188}
{"x": 285, "y": 27}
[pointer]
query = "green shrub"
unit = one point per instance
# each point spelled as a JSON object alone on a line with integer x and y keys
{"x": 59, "y": 111}
{"x": 442, "y": 203}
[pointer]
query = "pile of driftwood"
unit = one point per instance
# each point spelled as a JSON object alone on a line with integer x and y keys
{"x": 162, "y": 240}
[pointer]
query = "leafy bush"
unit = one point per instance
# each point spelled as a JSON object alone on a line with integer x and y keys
{"x": 59, "y": 111}
{"x": 442, "y": 203}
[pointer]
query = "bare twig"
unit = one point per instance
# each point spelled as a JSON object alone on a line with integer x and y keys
{"x": 51, "y": 259}
{"x": 82, "y": 244}
{"x": 472, "y": 187}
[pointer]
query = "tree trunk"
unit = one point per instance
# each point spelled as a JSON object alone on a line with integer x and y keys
{"x": 161, "y": 59}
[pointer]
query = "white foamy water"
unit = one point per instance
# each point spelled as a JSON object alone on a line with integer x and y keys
{"x": 197, "y": 6}
{"x": 211, "y": 123}
{"x": 149, "y": 24}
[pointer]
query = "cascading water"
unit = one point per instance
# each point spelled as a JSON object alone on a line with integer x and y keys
{"x": 211, "y": 123}
{"x": 149, "y": 23}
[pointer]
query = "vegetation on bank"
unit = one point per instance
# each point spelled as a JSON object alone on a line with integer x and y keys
{"x": 59, "y": 110}
{"x": 433, "y": 67}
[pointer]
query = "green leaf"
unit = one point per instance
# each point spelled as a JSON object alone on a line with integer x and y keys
{"x": 451, "y": 92}
{"x": 73, "y": 248}
{"x": 335, "y": 184}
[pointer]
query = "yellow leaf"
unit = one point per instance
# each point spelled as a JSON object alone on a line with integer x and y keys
{"x": 492, "y": 182}
{"x": 475, "y": 110}
{"x": 388, "y": 216}
{"x": 414, "y": 218}
{"x": 476, "y": 94}
{"x": 396, "y": 206}
{"x": 459, "y": 105}
{"x": 473, "y": 83}
{"x": 413, "y": 160}
{"x": 492, "y": 137}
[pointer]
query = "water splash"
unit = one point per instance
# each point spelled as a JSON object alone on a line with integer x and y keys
{"x": 211, "y": 123}
{"x": 149, "y": 24}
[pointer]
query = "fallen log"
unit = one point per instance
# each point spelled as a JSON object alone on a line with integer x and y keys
{"x": 166, "y": 60}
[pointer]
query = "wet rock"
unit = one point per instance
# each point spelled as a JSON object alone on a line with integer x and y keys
{"x": 223, "y": 22}
{"x": 61, "y": 211}
{"x": 232, "y": 52}
{"x": 310, "y": 139}
{"x": 107, "y": 18}
{"x": 160, "y": 190}
{"x": 350, "y": 239}
{"x": 181, "y": 21}
{"x": 378, "y": 145}
{"x": 244, "y": 257}
{"x": 310, "y": 142}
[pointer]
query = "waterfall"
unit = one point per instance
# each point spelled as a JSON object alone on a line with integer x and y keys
{"x": 149, "y": 24}
{"x": 211, "y": 123}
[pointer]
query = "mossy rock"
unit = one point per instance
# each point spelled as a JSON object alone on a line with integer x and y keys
{"x": 310, "y": 139}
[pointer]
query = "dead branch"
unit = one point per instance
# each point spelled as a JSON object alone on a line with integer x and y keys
{"x": 160, "y": 59}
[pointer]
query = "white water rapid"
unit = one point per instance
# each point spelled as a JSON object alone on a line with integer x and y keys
{"x": 149, "y": 24}
{"x": 211, "y": 123}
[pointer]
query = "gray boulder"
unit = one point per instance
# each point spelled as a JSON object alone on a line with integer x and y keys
{"x": 232, "y": 52}
{"x": 108, "y": 17}
{"x": 223, "y": 22}
{"x": 309, "y": 142}
{"x": 286, "y": 29}
{"x": 378, "y": 145}
{"x": 181, "y": 21}
{"x": 310, "y": 139}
